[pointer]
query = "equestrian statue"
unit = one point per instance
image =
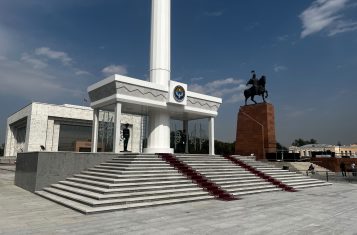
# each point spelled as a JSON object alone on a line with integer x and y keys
{"x": 257, "y": 88}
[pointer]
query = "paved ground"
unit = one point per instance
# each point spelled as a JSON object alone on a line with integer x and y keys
{"x": 324, "y": 210}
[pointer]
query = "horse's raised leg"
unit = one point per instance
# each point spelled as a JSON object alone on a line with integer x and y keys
{"x": 263, "y": 98}
{"x": 252, "y": 98}
{"x": 246, "y": 98}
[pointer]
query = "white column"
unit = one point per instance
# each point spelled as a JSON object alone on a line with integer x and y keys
{"x": 185, "y": 127}
{"x": 117, "y": 114}
{"x": 159, "y": 133}
{"x": 211, "y": 135}
{"x": 95, "y": 130}
{"x": 159, "y": 121}
{"x": 160, "y": 42}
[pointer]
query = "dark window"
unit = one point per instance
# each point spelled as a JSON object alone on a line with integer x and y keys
{"x": 69, "y": 134}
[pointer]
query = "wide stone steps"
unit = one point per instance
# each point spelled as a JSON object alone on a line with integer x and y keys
{"x": 124, "y": 177}
{"x": 131, "y": 181}
{"x": 126, "y": 189}
{"x": 132, "y": 184}
{"x": 246, "y": 186}
{"x": 134, "y": 168}
{"x": 90, "y": 210}
{"x": 109, "y": 202}
{"x": 218, "y": 170}
{"x": 123, "y": 183}
{"x": 312, "y": 185}
{"x": 227, "y": 175}
{"x": 128, "y": 180}
{"x": 238, "y": 179}
{"x": 291, "y": 179}
{"x": 102, "y": 196}
{"x": 219, "y": 162}
{"x": 255, "y": 191}
{"x": 297, "y": 180}
{"x": 253, "y": 188}
{"x": 137, "y": 159}
{"x": 241, "y": 184}
{"x": 134, "y": 174}
{"x": 130, "y": 165}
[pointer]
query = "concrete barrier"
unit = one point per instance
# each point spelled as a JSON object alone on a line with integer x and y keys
{"x": 36, "y": 170}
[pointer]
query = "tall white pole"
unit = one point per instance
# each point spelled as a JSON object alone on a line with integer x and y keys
{"x": 160, "y": 63}
{"x": 160, "y": 52}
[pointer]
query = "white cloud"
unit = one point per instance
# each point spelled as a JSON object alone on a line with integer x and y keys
{"x": 24, "y": 81}
{"x": 54, "y": 55}
{"x": 235, "y": 98}
{"x": 229, "y": 88}
{"x": 279, "y": 68}
{"x": 6, "y": 40}
{"x": 81, "y": 72}
{"x": 283, "y": 38}
{"x": 115, "y": 69}
{"x": 35, "y": 63}
{"x": 342, "y": 26}
{"x": 325, "y": 14}
{"x": 196, "y": 79}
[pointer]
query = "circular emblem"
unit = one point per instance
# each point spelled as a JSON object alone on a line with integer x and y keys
{"x": 179, "y": 93}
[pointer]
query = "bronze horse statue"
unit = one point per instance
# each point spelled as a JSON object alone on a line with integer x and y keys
{"x": 258, "y": 88}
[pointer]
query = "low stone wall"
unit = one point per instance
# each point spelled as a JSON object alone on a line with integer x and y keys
{"x": 333, "y": 164}
{"x": 8, "y": 160}
{"x": 36, "y": 170}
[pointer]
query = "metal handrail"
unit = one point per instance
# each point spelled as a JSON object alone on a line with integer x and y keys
{"x": 336, "y": 175}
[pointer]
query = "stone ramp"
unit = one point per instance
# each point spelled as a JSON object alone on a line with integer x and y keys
{"x": 292, "y": 179}
{"x": 125, "y": 182}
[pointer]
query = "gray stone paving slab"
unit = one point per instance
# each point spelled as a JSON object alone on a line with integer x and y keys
{"x": 322, "y": 210}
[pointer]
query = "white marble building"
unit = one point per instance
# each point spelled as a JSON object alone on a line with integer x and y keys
{"x": 344, "y": 150}
{"x": 58, "y": 127}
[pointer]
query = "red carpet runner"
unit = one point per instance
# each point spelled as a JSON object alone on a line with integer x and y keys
{"x": 260, "y": 174}
{"x": 197, "y": 178}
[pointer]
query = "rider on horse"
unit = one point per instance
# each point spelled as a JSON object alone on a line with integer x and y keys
{"x": 255, "y": 81}
{"x": 257, "y": 88}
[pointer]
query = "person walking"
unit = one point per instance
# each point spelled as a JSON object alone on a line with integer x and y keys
{"x": 353, "y": 169}
{"x": 343, "y": 168}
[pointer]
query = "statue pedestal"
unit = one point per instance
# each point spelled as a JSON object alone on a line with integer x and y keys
{"x": 256, "y": 130}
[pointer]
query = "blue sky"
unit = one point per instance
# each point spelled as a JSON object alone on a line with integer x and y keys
{"x": 51, "y": 51}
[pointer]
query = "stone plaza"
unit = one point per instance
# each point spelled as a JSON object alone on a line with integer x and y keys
{"x": 321, "y": 210}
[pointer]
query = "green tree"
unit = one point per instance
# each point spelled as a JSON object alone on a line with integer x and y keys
{"x": 281, "y": 147}
{"x": 224, "y": 148}
{"x": 301, "y": 142}
{"x": 2, "y": 150}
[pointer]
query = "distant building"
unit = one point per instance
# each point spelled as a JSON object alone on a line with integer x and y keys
{"x": 49, "y": 127}
{"x": 306, "y": 150}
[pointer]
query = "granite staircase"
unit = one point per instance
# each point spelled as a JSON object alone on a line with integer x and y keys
{"x": 292, "y": 179}
{"x": 127, "y": 181}
{"x": 228, "y": 176}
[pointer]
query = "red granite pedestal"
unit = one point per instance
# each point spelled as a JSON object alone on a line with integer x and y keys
{"x": 256, "y": 130}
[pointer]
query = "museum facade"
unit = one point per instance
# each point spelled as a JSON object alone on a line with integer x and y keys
{"x": 324, "y": 149}
{"x": 52, "y": 128}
